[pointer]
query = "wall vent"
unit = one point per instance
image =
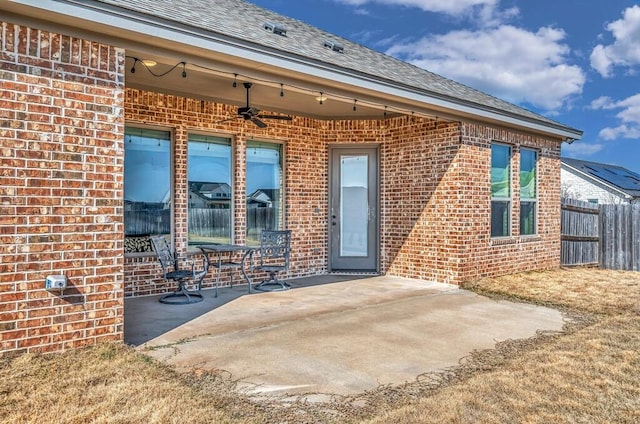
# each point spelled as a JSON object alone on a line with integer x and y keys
{"x": 336, "y": 47}
{"x": 276, "y": 29}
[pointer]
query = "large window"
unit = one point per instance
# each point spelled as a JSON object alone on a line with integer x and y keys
{"x": 147, "y": 186}
{"x": 209, "y": 185}
{"x": 264, "y": 189}
{"x": 528, "y": 191}
{"x": 500, "y": 190}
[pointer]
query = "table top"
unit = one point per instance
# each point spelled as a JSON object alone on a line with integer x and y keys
{"x": 219, "y": 247}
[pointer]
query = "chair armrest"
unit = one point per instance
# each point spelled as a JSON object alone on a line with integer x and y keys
{"x": 188, "y": 261}
{"x": 248, "y": 259}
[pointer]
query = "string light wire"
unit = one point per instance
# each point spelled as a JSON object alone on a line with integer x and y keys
{"x": 282, "y": 85}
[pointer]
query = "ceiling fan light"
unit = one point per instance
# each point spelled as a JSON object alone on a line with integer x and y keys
{"x": 149, "y": 63}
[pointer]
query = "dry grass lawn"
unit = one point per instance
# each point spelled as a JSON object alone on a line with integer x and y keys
{"x": 588, "y": 374}
{"x": 109, "y": 383}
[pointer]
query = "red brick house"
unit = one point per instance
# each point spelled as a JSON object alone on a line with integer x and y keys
{"x": 121, "y": 119}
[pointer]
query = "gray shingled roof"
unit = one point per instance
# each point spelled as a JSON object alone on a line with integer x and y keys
{"x": 244, "y": 21}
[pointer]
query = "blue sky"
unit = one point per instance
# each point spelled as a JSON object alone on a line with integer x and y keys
{"x": 576, "y": 61}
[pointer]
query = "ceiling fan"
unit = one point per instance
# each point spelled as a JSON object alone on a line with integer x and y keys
{"x": 252, "y": 114}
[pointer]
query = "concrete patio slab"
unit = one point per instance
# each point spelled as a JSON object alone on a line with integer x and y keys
{"x": 347, "y": 337}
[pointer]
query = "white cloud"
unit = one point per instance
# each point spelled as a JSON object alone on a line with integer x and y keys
{"x": 602, "y": 102}
{"x": 450, "y": 7}
{"x": 631, "y": 109}
{"x": 625, "y": 50}
{"x": 621, "y": 131}
{"x": 629, "y": 117}
{"x": 482, "y": 13}
{"x": 365, "y": 36}
{"x": 361, "y": 11}
{"x": 581, "y": 149}
{"x": 600, "y": 62}
{"x": 508, "y": 62}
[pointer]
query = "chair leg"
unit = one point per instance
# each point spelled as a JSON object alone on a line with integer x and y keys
{"x": 272, "y": 284}
{"x": 182, "y": 296}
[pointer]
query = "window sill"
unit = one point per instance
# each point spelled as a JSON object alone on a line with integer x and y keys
{"x": 501, "y": 241}
{"x": 133, "y": 256}
{"x": 530, "y": 238}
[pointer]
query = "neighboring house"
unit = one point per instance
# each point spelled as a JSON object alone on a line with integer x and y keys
{"x": 106, "y": 100}
{"x": 209, "y": 195}
{"x": 262, "y": 198}
{"x": 598, "y": 182}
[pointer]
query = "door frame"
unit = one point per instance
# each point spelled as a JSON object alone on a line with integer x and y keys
{"x": 376, "y": 223}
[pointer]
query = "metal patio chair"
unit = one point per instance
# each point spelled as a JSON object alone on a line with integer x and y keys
{"x": 170, "y": 263}
{"x": 272, "y": 258}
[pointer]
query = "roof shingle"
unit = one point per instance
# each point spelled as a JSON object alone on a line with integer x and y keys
{"x": 245, "y": 21}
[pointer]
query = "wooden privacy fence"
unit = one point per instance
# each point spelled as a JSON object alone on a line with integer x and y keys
{"x": 147, "y": 221}
{"x": 604, "y": 235}
{"x": 202, "y": 221}
{"x": 580, "y": 228}
{"x": 620, "y": 237}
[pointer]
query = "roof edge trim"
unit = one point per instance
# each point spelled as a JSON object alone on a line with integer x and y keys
{"x": 135, "y": 22}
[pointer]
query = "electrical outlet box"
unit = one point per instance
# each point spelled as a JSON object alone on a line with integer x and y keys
{"x": 53, "y": 282}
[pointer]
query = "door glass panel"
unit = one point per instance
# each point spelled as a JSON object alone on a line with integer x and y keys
{"x": 354, "y": 205}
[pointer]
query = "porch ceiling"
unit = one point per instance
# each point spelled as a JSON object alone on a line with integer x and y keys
{"x": 214, "y": 82}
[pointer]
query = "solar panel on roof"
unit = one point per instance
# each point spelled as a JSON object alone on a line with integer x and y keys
{"x": 624, "y": 179}
{"x": 617, "y": 177}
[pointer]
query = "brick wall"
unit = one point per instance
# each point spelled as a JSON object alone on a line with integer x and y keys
{"x": 62, "y": 113}
{"x": 61, "y": 162}
{"x": 483, "y": 256}
{"x": 421, "y": 200}
{"x": 434, "y": 187}
{"x": 305, "y": 179}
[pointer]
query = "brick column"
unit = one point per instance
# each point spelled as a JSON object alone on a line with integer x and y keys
{"x": 61, "y": 173}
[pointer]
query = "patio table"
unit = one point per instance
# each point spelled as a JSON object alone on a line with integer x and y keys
{"x": 226, "y": 257}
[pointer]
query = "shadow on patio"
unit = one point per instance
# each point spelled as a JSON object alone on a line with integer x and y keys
{"x": 145, "y": 318}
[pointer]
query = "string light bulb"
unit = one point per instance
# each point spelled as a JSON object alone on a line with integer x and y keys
{"x": 149, "y": 63}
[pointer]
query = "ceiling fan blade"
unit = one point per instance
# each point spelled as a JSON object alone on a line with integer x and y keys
{"x": 281, "y": 117}
{"x": 258, "y": 122}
